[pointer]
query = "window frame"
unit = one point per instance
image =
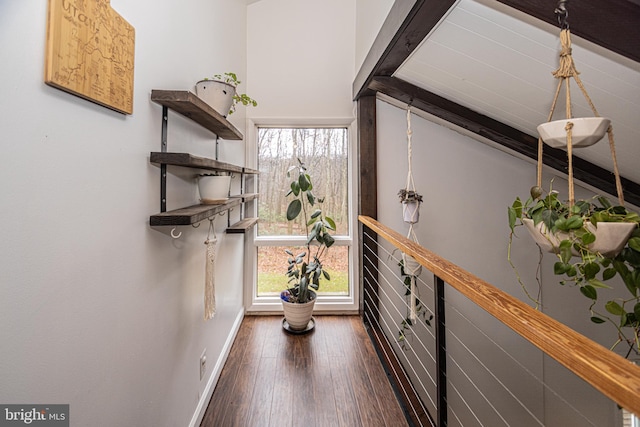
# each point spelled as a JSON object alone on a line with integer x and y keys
{"x": 325, "y": 304}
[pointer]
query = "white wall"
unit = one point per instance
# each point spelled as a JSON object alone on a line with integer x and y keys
{"x": 370, "y": 16}
{"x": 300, "y": 58}
{"x": 98, "y": 309}
{"x": 467, "y": 187}
{"x": 300, "y": 66}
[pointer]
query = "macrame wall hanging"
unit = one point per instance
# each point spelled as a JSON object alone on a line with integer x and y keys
{"x": 209, "y": 285}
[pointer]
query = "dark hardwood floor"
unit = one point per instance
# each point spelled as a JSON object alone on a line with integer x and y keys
{"x": 329, "y": 377}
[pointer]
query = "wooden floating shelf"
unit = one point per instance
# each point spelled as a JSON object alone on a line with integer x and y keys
{"x": 241, "y": 227}
{"x": 191, "y": 161}
{"x": 248, "y": 197}
{"x": 192, "y": 214}
{"x": 250, "y": 171}
{"x": 189, "y": 105}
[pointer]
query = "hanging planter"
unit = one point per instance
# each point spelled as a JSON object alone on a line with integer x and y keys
{"x": 610, "y": 237}
{"x": 593, "y": 242}
{"x": 410, "y": 205}
{"x": 410, "y": 265}
{"x": 586, "y": 131}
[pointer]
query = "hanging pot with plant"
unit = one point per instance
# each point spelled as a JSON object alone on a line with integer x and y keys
{"x": 593, "y": 242}
{"x": 411, "y": 201}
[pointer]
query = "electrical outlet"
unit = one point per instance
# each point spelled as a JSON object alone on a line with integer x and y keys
{"x": 203, "y": 364}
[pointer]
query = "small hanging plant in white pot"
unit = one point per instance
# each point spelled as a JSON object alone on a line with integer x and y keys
{"x": 415, "y": 308}
{"x": 221, "y": 94}
{"x": 305, "y": 270}
{"x": 411, "y": 201}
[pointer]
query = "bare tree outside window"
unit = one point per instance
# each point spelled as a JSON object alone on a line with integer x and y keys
{"x": 325, "y": 153}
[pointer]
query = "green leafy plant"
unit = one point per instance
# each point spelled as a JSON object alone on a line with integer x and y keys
{"x": 232, "y": 79}
{"x": 577, "y": 264}
{"x": 409, "y": 196}
{"x": 305, "y": 270}
{"x": 421, "y": 311}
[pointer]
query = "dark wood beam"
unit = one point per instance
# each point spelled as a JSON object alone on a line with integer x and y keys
{"x": 367, "y": 158}
{"x": 407, "y": 24}
{"x": 612, "y": 24}
{"x": 502, "y": 134}
{"x": 368, "y": 203}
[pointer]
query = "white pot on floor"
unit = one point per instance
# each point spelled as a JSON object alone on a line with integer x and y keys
{"x": 298, "y": 316}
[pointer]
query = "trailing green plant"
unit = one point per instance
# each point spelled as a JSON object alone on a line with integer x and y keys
{"x": 305, "y": 270}
{"x": 421, "y": 310}
{"x": 577, "y": 264}
{"x": 232, "y": 79}
{"x": 409, "y": 196}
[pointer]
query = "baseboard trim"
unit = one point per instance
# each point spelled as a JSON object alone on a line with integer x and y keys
{"x": 215, "y": 375}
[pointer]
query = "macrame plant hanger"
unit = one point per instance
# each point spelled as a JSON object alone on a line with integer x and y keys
{"x": 564, "y": 73}
{"x": 411, "y": 267}
{"x": 209, "y": 285}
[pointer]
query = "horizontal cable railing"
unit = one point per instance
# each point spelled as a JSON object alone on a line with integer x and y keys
{"x": 416, "y": 352}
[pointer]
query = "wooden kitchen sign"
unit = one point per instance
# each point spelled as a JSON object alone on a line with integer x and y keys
{"x": 90, "y": 52}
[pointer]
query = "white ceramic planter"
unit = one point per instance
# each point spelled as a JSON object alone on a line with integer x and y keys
{"x": 586, "y": 131}
{"x": 411, "y": 266}
{"x": 213, "y": 189}
{"x": 218, "y": 94}
{"x": 297, "y": 315}
{"x": 610, "y": 236}
{"x": 411, "y": 211}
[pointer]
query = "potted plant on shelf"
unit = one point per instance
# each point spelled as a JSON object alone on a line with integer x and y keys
{"x": 221, "y": 94}
{"x": 305, "y": 269}
{"x": 213, "y": 188}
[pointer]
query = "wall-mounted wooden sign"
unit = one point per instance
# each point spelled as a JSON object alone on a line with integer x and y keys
{"x": 90, "y": 52}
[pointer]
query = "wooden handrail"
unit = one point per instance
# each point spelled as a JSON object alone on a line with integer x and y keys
{"x": 611, "y": 374}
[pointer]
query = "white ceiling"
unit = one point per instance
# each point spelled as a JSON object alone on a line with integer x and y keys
{"x": 498, "y": 62}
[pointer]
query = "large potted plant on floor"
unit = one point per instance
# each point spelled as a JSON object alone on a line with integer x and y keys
{"x": 305, "y": 269}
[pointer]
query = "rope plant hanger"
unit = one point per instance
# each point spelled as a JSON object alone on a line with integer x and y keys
{"x": 592, "y": 244}
{"x": 410, "y": 268}
{"x": 564, "y": 73}
{"x": 410, "y": 205}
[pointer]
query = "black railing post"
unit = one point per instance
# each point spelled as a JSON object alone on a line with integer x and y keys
{"x": 441, "y": 356}
{"x": 371, "y": 311}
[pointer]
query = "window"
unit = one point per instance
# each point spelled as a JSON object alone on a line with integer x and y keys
{"x": 325, "y": 152}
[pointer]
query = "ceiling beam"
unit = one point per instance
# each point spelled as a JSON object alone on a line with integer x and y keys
{"x": 502, "y": 134}
{"x": 612, "y": 24}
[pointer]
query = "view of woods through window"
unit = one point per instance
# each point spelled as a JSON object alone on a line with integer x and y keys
{"x": 324, "y": 151}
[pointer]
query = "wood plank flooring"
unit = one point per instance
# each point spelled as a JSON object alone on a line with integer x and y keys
{"x": 329, "y": 377}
